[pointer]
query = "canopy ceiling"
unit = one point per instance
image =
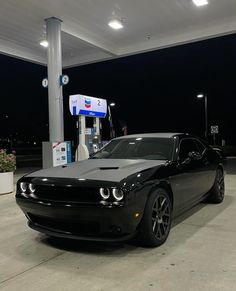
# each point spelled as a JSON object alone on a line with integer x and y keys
{"x": 86, "y": 36}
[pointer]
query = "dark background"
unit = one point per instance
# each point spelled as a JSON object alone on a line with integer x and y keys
{"x": 154, "y": 91}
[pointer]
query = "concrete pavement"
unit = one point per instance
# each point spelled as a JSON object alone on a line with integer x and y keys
{"x": 200, "y": 254}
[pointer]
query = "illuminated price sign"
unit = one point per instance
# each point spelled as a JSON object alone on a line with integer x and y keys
{"x": 88, "y": 106}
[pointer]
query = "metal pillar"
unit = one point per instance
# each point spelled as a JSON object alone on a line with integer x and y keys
{"x": 206, "y": 118}
{"x": 55, "y": 99}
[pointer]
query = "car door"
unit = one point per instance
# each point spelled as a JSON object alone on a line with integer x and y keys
{"x": 208, "y": 167}
{"x": 187, "y": 181}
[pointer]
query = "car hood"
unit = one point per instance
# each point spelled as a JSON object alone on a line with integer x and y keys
{"x": 101, "y": 169}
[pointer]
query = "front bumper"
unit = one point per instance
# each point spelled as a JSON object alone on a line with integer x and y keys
{"x": 85, "y": 222}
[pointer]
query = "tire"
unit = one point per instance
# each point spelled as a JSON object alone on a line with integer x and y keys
{"x": 156, "y": 222}
{"x": 217, "y": 192}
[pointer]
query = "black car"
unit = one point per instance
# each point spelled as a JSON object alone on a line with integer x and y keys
{"x": 133, "y": 187}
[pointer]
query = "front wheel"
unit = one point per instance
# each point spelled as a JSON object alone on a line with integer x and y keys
{"x": 156, "y": 222}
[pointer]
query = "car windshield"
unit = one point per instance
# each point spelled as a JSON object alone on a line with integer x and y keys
{"x": 137, "y": 148}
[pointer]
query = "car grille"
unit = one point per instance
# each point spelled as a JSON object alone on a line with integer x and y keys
{"x": 85, "y": 228}
{"x": 67, "y": 194}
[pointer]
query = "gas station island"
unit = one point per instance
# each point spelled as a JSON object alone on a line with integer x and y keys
{"x": 89, "y": 139}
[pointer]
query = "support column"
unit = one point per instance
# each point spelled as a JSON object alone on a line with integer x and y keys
{"x": 55, "y": 99}
{"x": 82, "y": 152}
{"x": 82, "y": 127}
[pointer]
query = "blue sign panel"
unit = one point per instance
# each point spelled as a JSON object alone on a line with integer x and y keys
{"x": 68, "y": 152}
{"x": 92, "y": 113}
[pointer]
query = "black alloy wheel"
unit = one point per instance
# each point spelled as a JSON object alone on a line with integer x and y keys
{"x": 156, "y": 222}
{"x": 161, "y": 213}
{"x": 217, "y": 192}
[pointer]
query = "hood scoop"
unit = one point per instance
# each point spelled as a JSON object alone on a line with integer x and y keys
{"x": 108, "y": 168}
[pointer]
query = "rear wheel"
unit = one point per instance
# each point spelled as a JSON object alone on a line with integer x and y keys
{"x": 156, "y": 222}
{"x": 217, "y": 192}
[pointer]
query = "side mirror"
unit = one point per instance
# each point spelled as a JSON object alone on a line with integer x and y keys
{"x": 195, "y": 156}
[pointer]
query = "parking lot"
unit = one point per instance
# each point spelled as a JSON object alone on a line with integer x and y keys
{"x": 200, "y": 254}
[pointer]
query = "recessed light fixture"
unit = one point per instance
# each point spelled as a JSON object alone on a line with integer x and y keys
{"x": 115, "y": 24}
{"x": 44, "y": 43}
{"x": 200, "y": 96}
{"x": 200, "y": 2}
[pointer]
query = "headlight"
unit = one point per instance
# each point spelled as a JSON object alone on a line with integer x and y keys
{"x": 118, "y": 194}
{"x": 23, "y": 187}
{"x": 104, "y": 192}
{"x": 32, "y": 188}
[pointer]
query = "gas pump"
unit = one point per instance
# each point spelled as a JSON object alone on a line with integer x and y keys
{"x": 93, "y": 137}
{"x": 93, "y": 143}
{"x": 89, "y": 138}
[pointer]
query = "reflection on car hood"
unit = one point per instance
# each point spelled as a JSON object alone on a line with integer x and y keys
{"x": 101, "y": 169}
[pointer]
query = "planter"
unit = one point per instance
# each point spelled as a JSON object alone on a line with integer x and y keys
{"x": 6, "y": 182}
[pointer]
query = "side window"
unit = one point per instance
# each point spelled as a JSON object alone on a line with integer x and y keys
{"x": 200, "y": 146}
{"x": 186, "y": 146}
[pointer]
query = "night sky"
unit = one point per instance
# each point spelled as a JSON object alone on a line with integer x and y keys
{"x": 154, "y": 91}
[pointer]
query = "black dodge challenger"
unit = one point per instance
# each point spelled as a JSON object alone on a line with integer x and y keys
{"x": 133, "y": 187}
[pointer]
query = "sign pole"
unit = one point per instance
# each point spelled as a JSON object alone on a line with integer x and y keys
{"x": 214, "y": 131}
{"x": 206, "y": 119}
{"x": 214, "y": 139}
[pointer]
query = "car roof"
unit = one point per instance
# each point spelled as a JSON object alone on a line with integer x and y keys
{"x": 154, "y": 135}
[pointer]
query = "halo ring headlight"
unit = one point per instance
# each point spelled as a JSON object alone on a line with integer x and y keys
{"x": 32, "y": 188}
{"x": 118, "y": 194}
{"x": 23, "y": 187}
{"x": 105, "y": 193}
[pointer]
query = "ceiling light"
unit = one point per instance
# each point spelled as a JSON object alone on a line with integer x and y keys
{"x": 44, "y": 43}
{"x": 200, "y": 2}
{"x": 200, "y": 96}
{"x": 115, "y": 24}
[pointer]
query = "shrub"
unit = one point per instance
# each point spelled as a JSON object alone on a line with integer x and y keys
{"x": 7, "y": 162}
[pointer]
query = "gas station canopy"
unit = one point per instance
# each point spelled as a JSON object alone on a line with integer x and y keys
{"x": 86, "y": 36}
